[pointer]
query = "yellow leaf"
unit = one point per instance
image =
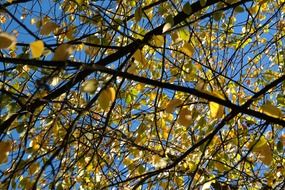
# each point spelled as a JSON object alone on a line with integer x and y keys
{"x": 106, "y": 97}
{"x": 112, "y": 93}
{"x": 158, "y": 40}
{"x": 48, "y": 27}
{"x": 139, "y": 57}
{"x": 253, "y": 10}
{"x": 158, "y": 162}
{"x": 185, "y": 117}
{"x": 80, "y": 2}
{"x": 260, "y": 144}
{"x": 37, "y": 48}
{"x": 271, "y": 110}
{"x": 55, "y": 80}
{"x": 89, "y": 86}
{"x": 263, "y": 149}
{"x": 172, "y": 105}
{"x": 188, "y": 49}
{"x": 266, "y": 156}
{"x": 216, "y": 110}
{"x": 184, "y": 34}
{"x": 62, "y": 52}
{"x": 265, "y": 153}
{"x": 35, "y": 145}
{"x": 7, "y": 40}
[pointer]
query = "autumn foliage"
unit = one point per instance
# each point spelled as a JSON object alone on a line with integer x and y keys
{"x": 142, "y": 94}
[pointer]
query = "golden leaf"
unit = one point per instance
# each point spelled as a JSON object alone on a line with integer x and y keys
{"x": 139, "y": 57}
{"x": 216, "y": 110}
{"x": 37, "y": 48}
{"x": 89, "y": 86}
{"x": 172, "y": 105}
{"x": 188, "y": 49}
{"x": 106, "y": 97}
{"x": 263, "y": 149}
{"x": 271, "y": 110}
{"x": 185, "y": 117}
{"x": 158, "y": 40}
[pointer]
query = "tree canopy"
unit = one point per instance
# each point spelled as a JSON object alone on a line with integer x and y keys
{"x": 142, "y": 94}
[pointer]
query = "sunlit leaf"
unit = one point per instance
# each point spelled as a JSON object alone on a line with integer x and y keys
{"x": 185, "y": 117}
{"x": 106, "y": 97}
{"x": 139, "y": 57}
{"x": 253, "y": 10}
{"x": 188, "y": 49}
{"x": 216, "y": 110}
{"x": 89, "y": 86}
{"x": 80, "y": 2}
{"x": 271, "y": 110}
{"x": 172, "y": 105}
{"x": 207, "y": 186}
{"x": 263, "y": 150}
{"x": 184, "y": 34}
{"x": 37, "y": 48}
{"x": 158, "y": 40}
